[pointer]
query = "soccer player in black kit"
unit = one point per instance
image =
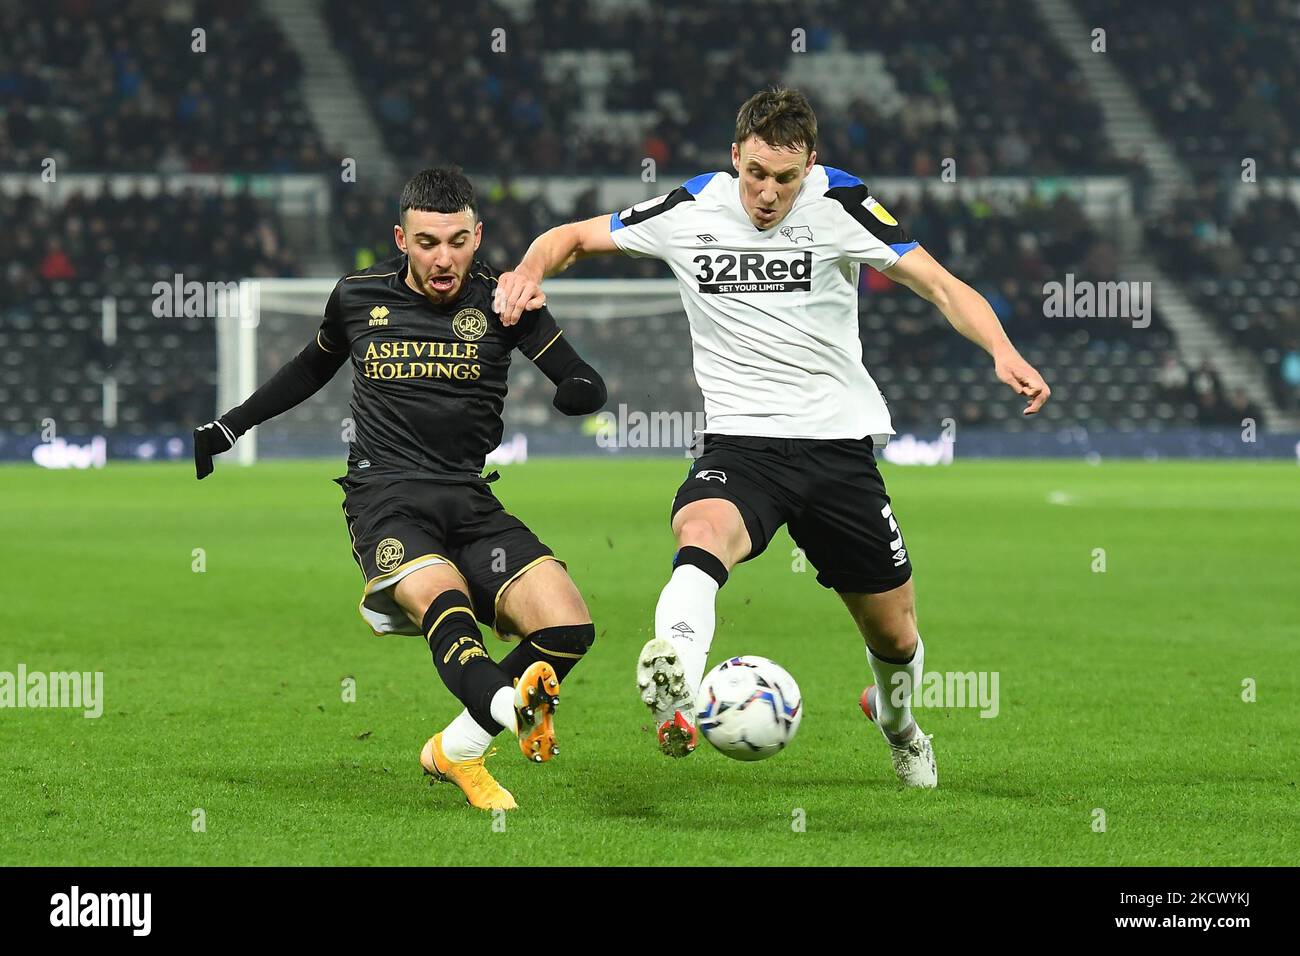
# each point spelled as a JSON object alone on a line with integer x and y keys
{"x": 437, "y": 550}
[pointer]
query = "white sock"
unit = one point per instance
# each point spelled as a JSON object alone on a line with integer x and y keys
{"x": 685, "y": 615}
{"x": 464, "y": 739}
{"x": 895, "y": 684}
{"x": 503, "y": 708}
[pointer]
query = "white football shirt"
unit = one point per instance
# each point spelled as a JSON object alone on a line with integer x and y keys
{"x": 774, "y": 313}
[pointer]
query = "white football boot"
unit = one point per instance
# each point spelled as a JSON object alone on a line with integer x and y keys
{"x": 662, "y": 682}
{"x": 914, "y": 760}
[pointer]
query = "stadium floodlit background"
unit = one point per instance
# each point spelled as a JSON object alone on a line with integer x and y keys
{"x": 1134, "y": 602}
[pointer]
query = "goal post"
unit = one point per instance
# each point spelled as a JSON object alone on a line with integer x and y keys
{"x": 633, "y": 331}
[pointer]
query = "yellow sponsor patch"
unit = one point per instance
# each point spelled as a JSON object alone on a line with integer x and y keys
{"x": 879, "y": 211}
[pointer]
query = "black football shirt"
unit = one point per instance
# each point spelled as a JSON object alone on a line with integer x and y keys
{"x": 429, "y": 381}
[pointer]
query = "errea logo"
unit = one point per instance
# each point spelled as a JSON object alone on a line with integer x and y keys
{"x": 379, "y": 315}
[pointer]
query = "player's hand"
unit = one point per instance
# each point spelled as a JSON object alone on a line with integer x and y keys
{"x": 579, "y": 395}
{"x": 516, "y": 293}
{"x": 1023, "y": 379}
{"x": 210, "y": 439}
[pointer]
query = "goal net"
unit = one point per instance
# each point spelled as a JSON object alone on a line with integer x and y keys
{"x": 632, "y": 331}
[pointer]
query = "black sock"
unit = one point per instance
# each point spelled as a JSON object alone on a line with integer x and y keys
{"x": 706, "y": 562}
{"x": 561, "y": 646}
{"x": 462, "y": 661}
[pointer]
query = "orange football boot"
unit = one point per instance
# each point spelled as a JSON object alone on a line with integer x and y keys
{"x": 537, "y": 693}
{"x": 479, "y": 787}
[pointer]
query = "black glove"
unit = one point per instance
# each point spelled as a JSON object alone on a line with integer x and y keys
{"x": 580, "y": 396}
{"x": 210, "y": 439}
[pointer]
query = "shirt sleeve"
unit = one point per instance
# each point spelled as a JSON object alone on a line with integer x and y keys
{"x": 646, "y": 228}
{"x": 332, "y": 337}
{"x": 867, "y": 231}
{"x": 536, "y": 332}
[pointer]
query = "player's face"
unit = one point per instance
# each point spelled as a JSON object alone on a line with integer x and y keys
{"x": 440, "y": 247}
{"x": 770, "y": 177}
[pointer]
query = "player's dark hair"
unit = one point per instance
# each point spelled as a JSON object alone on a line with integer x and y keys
{"x": 778, "y": 117}
{"x": 439, "y": 189}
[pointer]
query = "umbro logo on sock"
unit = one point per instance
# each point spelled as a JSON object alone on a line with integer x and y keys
{"x": 684, "y": 629}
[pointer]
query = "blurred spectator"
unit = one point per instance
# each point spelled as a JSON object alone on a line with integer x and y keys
{"x": 1173, "y": 377}
{"x": 56, "y": 264}
{"x": 1290, "y": 374}
{"x": 1205, "y": 382}
{"x": 1240, "y": 408}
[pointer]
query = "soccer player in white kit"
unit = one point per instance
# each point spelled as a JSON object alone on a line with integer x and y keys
{"x": 768, "y": 262}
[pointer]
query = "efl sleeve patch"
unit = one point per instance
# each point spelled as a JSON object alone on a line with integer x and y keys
{"x": 871, "y": 234}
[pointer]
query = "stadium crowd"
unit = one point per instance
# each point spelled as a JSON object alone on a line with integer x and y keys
{"x": 122, "y": 86}
{"x": 998, "y": 97}
{"x": 105, "y": 236}
{"x": 1244, "y": 270}
{"x": 1222, "y": 79}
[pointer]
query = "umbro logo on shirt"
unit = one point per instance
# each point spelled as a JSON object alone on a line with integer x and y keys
{"x": 705, "y": 237}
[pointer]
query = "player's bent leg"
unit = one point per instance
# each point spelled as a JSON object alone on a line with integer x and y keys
{"x": 435, "y": 596}
{"x": 716, "y": 525}
{"x": 887, "y": 621}
{"x": 544, "y": 606}
{"x": 712, "y": 539}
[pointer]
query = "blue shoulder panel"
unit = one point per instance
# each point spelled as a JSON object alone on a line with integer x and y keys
{"x": 838, "y": 177}
{"x": 697, "y": 183}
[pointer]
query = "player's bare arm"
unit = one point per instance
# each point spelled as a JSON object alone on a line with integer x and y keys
{"x": 552, "y": 252}
{"x": 970, "y": 314}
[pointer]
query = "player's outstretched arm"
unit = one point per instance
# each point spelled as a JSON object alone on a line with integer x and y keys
{"x": 301, "y": 377}
{"x": 579, "y": 389}
{"x": 551, "y": 252}
{"x": 970, "y": 314}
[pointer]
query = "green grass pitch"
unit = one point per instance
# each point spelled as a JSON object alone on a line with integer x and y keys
{"x": 1121, "y": 690}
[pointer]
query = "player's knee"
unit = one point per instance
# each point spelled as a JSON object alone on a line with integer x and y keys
{"x": 564, "y": 640}
{"x": 891, "y": 631}
{"x": 893, "y": 635}
{"x": 701, "y": 533}
{"x": 695, "y": 531}
{"x": 898, "y": 643}
{"x": 418, "y": 590}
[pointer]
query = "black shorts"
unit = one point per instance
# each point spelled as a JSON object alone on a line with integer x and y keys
{"x": 830, "y": 493}
{"x": 398, "y": 526}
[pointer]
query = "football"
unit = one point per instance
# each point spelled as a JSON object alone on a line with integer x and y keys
{"x": 749, "y": 708}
